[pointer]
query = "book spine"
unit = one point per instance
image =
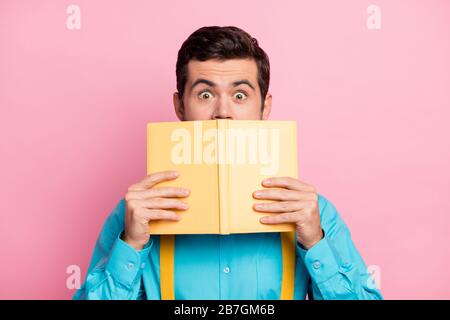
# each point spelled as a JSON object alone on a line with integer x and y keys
{"x": 222, "y": 175}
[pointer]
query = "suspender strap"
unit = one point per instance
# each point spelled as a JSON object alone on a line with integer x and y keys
{"x": 167, "y": 266}
{"x": 167, "y": 254}
{"x": 288, "y": 275}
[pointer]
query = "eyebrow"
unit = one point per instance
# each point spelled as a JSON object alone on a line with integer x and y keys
{"x": 212, "y": 84}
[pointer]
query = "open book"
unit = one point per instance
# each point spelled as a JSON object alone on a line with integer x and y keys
{"x": 222, "y": 162}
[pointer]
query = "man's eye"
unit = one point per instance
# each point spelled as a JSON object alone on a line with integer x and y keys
{"x": 240, "y": 95}
{"x": 205, "y": 95}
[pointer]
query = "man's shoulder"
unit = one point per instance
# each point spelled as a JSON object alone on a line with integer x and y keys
{"x": 116, "y": 218}
{"x": 324, "y": 202}
{"x": 327, "y": 209}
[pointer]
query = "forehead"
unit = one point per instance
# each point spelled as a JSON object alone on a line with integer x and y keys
{"x": 223, "y": 71}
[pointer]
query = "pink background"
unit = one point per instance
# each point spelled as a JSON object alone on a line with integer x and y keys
{"x": 373, "y": 108}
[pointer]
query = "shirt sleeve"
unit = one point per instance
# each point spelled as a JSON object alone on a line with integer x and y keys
{"x": 116, "y": 268}
{"x": 336, "y": 268}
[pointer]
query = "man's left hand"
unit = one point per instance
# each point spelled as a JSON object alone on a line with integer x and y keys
{"x": 295, "y": 202}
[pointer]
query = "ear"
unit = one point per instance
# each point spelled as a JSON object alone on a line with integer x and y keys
{"x": 267, "y": 107}
{"x": 178, "y": 105}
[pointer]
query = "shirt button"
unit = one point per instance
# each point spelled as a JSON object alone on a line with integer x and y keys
{"x": 346, "y": 265}
{"x": 226, "y": 270}
{"x": 142, "y": 265}
{"x": 316, "y": 264}
{"x": 130, "y": 266}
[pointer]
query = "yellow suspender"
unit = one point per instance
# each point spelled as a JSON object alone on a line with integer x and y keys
{"x": 167, "y": 266}
{"x": 288, "y": 255}
{"x": 167, "y": 254}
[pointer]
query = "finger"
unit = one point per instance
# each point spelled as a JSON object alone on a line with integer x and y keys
{"x": 158, "y": 192}
{"x": 153, "y": 179}
{"x": 163, "y": 203}
{"x": 283, "y": 194}
{"x": 288, "y": 183}
{"x": 158, "y": 214}
{"x": 289, "y": 217}
{"x": 281, "y": 206}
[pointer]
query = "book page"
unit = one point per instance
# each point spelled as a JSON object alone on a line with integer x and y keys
{"x": 188, "y": 147}
{"x": 257, "y": 150}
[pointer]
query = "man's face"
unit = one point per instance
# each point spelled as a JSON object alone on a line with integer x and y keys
{"x": 222, "y": 89}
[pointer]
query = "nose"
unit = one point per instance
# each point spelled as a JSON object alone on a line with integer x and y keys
{"x": 222, "y": 110}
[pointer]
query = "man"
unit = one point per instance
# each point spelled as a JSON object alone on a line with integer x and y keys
{"x": 222, "y": 73}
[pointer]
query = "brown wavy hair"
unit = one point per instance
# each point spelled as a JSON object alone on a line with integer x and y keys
{"x": 222, "y": 43}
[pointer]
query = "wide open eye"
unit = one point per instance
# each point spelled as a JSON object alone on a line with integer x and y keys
{"x": 205, "y": 95}
{"x": 241, "y": 96}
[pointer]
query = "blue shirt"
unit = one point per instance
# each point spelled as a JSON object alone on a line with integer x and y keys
{"x": 237, "y": 266}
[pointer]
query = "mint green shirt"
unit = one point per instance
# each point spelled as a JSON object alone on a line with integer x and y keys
{"x": 237, "y": 266}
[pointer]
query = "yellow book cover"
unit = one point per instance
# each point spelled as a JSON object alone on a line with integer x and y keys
{"x": 222, "y": 162}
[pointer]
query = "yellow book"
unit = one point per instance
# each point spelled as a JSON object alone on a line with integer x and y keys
{"x": 222, "y": 162}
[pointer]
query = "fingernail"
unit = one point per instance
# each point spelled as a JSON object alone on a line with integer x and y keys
{"x": 185, "y": 191}
{"x": 263, "y": 219}
{"x": 257, "y": 194}
{"x": 258, "y": 206}
{"x": 267, "y": 181}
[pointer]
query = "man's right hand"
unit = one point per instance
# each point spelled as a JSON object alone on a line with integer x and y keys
{"x": 144, "y": 203}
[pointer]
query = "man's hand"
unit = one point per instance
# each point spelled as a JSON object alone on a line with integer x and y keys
{"x": 296, "y": 202}
{"x": 144, "y": 202}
